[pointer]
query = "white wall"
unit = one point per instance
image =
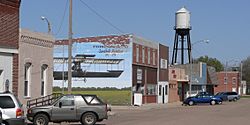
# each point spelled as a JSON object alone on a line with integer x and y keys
{"x": 6, "y": 61}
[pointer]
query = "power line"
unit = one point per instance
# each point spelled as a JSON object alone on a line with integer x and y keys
{"x": 62, "y": 19}
{"x": 100, "y": 16}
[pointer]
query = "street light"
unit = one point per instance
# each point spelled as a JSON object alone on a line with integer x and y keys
{"x": 191, "y": 67}
{"x": 49, "y": 26}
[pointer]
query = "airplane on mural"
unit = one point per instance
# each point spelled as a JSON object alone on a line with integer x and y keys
{"x": 81, "y": 64}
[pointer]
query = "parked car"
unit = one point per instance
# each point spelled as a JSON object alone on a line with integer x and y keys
{"x": 11, "y": 108}
{"x": 202, "y": 97}
{"x": 88, "y": 109}
{"x": 222, "y": 96}
{"x": 231, "y": 96}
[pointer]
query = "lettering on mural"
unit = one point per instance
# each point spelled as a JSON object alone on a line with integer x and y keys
{"x": 112, "y": 50}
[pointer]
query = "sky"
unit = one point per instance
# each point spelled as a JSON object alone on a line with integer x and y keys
{"x": 225, "y": 23}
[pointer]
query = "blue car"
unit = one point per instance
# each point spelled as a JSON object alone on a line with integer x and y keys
{"x": 202, "y": 97}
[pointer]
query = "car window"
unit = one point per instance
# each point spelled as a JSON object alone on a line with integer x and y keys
{"x": 6, "y": 102}
{"x": 92, "y": 100}
{"x": 232, "y": 93}
{"x": 199, "y": 96}
{"x": 67, "y": 101}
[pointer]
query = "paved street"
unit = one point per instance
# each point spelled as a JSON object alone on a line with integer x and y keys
{"x": 229, "y": 113}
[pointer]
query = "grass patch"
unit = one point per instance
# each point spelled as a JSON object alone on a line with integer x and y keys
{"x": 248, "y": 96}
{"x": 113, "y": 97}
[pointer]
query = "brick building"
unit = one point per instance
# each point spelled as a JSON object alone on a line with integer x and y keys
{"x": 177, "y": 77}
{"x": 9, "y": 35}
{"x": 150, "y": 60}
{"x": 35, "y": 65}
{"x": 228, "y": 81}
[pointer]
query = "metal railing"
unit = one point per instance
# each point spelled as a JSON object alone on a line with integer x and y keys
{"x": 41, "y": 101}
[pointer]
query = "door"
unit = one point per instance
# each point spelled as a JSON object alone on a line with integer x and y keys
{"x": 163, "y": 92}
{"x": 64, "y": 109}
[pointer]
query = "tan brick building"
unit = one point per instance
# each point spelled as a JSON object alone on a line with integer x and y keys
{"x": 177, "y": 77}
{"x": 35, "y": 65}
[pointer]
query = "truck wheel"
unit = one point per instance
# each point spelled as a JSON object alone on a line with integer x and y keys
{"x": 212, "y": 102}
{"x": 88, "y": 119}
{"x": 41, "y": 119}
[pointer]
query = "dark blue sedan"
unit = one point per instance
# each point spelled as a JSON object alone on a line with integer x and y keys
{"x": 202, "y": 98}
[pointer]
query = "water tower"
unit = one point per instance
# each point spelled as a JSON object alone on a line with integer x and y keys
{"x": 182, "y": 35}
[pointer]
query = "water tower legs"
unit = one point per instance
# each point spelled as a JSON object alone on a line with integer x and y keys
{"x": 182, "y": 36}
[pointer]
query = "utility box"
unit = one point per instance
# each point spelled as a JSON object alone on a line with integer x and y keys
{"x": 137, "y": 99}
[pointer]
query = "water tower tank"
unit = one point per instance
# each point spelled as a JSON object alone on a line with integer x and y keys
{"x": 182, "y": 19}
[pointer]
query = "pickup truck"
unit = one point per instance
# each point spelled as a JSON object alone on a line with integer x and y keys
{"x": 88, "y": 109}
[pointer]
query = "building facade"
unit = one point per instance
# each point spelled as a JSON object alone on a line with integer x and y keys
{"x": 150, "y": 70}
{"x": 9, "y": 35}
{"x": 177, "y": 77}
{"x": 202, "y": 78}
{"x": 228, "y": 82}
{"x": 125, "y": 61}
{"x": 35, "y": 65}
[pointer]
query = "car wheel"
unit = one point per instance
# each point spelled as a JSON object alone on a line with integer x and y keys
{"x": 88, "y": 119}
{"x": 212, "y": 102}
{"x": 41, "y": 119}
{"x": 235, "y": 99}
{"x": 220, "y": 102}
{"x": 191, "y": 103}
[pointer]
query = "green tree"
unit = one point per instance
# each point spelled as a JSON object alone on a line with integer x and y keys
{"x": 246, "y": 69}
{"x": 211, "y": 62}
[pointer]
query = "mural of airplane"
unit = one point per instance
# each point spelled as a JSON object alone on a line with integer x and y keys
{"x": 89, "y": 59}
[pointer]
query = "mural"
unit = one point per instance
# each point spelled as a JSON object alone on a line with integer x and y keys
{"x": 97, "y": 62}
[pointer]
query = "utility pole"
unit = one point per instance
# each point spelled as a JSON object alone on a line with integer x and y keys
{"x": 70, "y": 49}
{"x": 226, "y": 79}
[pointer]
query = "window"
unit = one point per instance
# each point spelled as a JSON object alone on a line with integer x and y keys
{"x": 43, "y": 78}
{"x": 225, "y": 80}
{"x": 143, "y": 55}
{"x": 151, "y": 89}
{"x": 27, "y": 79}
{"x": 149, "y": 56}
{"x": 234, "y": 80}
{"x": 6, "y": 102}
{"x": 174, "y": 76}
{"x": 67, "y": 101}
{"x": 137, "y": 53}
{"x": 166, "y": 89}
{"x": 154, "y": 59}
{"x": 160, "y": 87}
{"x": 93, "y": 100}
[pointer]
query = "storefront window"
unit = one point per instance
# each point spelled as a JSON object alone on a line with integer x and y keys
{"x": 151, "y": 89}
